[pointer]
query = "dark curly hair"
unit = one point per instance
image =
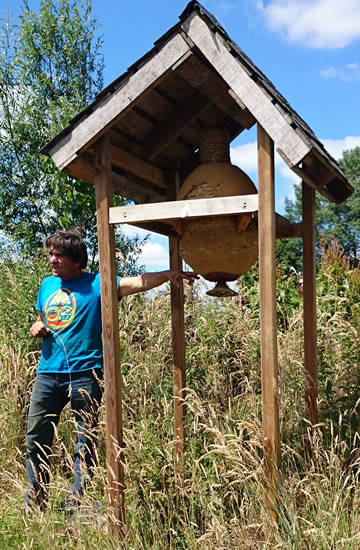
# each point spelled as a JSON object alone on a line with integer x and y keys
{"x": 70, "y": 244}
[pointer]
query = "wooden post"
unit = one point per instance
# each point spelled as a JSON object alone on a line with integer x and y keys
{"x": 268, "y": 324}
{"x": 110, "y": 328}
{"x": 178, "y": 334}
{"x": 309, "y": 294}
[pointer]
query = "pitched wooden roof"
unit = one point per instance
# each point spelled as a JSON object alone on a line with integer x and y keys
{"x": 195, "y": 77}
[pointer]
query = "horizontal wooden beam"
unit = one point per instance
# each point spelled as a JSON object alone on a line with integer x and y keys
{"x": 305, "y": 176}
{"x": 124, "y": 184}
{"x": 106, "y": 111}
{"x": 196, "y": 208}
{"x": 137, "y": 166}
{"x": 129, "y": 187}
{"x": 316, "y": 182}
{"x": 157, "y": 227}
{"x": 285, "y": 229}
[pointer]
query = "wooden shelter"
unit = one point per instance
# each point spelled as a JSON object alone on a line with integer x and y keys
{"x": 140, "y": 139}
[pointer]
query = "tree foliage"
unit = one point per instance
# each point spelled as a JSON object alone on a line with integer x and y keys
{"x": 341, "y": 221}
{"x": 50, "y": 69}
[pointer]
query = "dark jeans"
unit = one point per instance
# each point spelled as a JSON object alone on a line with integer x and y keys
{"x": 50, "y": 395}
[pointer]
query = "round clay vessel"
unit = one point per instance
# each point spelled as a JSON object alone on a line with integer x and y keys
{"x": 219, "y": 248}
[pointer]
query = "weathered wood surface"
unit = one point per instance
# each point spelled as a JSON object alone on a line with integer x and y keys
{"x": 133, "y": 127}
{"x": 107, "y": 111}
{"x": 304, "y": 175}
{"x": 184, "y": 209}
{"x": 209, "y": 84}
{"x": 309, "y": 296}
{"x": 135, "y": 189}
{"x": 157, "y": 227}
{"x": 136, "y": 166}
{"x": 178, "y": 333}
{"x": 268, "y": 324}
{"x": 286, "y": 230}
{"x": 127, "y": 186}
{"x": 110, "y": 328}
{"x": 173, "y": 126}
{"x": 254, "y": 98}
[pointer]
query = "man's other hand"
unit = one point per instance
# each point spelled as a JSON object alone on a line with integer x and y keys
{"x": 39, "y": 330}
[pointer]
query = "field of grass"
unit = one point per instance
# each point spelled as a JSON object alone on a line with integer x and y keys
{"x": 213, "y": 499}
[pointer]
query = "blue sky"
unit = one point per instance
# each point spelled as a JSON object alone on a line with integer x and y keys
{"x": 309, "y": 49}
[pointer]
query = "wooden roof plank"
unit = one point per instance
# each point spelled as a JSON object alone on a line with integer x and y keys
{"x": 172, "y": 127}
{"x": 106, "y": 112}
{"x": 82, "y": 168}
{"x": 136, "y": 166}
{"x": 207, "y": 82}
{"x": 137, "y": 191}
{"x": 230, "y": 69}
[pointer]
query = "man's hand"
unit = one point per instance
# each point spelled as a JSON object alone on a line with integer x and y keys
{"x": 39, "y": 330}
{"x": 175, "y": 276}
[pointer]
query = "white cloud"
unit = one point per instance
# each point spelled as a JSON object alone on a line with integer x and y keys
{"x": 330, "y": 72}
{"x": 353, "y": 66}
{"x": 336, "y": 147}
{"x": 326, "y": 24}
{"x": 245, "y": 156}
{"x": 131, "y": 230}
{"x": 154, "y": 255}
{"x": 349, "y": 73}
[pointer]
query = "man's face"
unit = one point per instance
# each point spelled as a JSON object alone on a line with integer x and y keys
{"x": 301, "y": 286}
{"x": 63, "y": 266}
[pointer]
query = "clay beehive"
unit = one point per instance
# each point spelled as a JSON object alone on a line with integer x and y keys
{"x": 224, "y": 247}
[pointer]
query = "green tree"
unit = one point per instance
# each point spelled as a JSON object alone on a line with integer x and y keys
{"x": 332, "y": 220}
{"x": 50, "y": 69}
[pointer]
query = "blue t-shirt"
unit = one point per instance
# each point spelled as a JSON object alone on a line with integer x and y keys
{"x": 72, "y": 311}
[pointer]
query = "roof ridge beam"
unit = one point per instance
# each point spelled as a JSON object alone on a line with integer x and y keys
{"x": 212, "y": 46}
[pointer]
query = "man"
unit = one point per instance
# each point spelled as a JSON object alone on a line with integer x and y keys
{"x": 70, "y": 367}
{"x": 300, "y": 286}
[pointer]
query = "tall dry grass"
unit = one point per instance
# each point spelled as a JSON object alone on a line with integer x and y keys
{"x": 213, "y": 498}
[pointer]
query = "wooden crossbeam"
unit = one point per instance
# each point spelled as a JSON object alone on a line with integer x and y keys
{"x": 124, "y": 184}
{"x": 171, "y": 128}
{"x": 195, "y": 208}
{"x": 305, "y": 176}
{"x": 285, "y": 229}
{"x": 110, "y": 107}
{"x": 136, "y": 166}
{"x": 157, "y": 227}
{"x": 210, "y": 85}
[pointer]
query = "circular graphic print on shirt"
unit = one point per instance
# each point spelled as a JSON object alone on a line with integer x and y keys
{"x": 60, "y": 309}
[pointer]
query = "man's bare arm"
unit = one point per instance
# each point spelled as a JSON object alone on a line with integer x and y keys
{"x": 147, "y": 281}
{"x": 38, "y": 329}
